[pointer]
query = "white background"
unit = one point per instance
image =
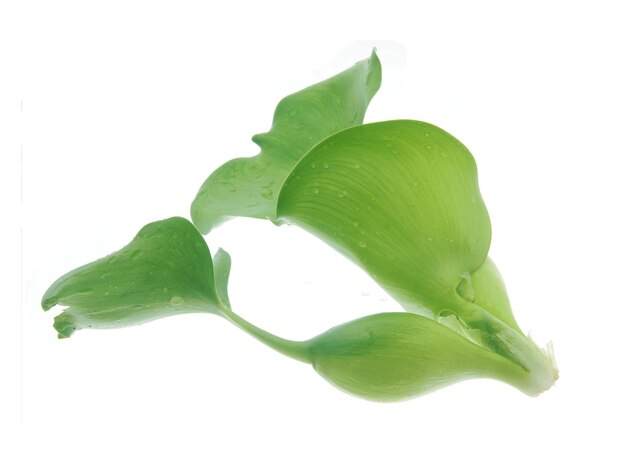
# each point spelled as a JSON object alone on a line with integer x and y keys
{"x": 127, "y": 106}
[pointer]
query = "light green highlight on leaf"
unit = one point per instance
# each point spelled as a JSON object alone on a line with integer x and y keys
{"x": 395, "y": 356}
{"x": 400, "y": 199}
{"x": 490, "y": 293}
{"x": 165, "y": 270}
{"x": 250, "y": 186}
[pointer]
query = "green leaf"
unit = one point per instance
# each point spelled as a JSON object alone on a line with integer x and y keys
{"x": 221, "y": 268}
{"x": 395, "y": 356}
{"x": 400, "y": 199}
{"x": 490, "y": 293}
{"x": 165, "y": 270}
{"x": 250, "y": 186}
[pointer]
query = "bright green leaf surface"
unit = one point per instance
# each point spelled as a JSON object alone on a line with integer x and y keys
{"x": 250, "y": 186}
{"x": 399, "y": 198}
{"x": 221, "y": 269}
{"x": 490, "y": 293}
{"x": 165, "y": 270}
{"x": 395, "y": 356}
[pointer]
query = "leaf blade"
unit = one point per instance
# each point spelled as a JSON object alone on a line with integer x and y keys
{"x": 400, "y": 199}
{"x": 397, "y": 356}
{"x": 249, "y": 187}
{"x": 165, "y": 270}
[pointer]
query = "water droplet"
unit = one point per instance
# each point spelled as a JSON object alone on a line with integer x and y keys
{"x": 325, "y": 165}
{"x": 298, "y": 178}
{"x": 362, "y": 244}
{"x": 316, "y": 190}
{"x": 429, "y": 147}
{"x": 266, "y": 193}
{"x": 430, "y": 239}
{"x": 356, "y": 165}
{"x": 344, "y": 192}
{"x": 176, "y": 301}
{"x": 293, "y": 112}
{"x": 313, "y": 165}
{"x": 356, "y": 223}
{"x": 106, "y": 293}
{"x": 426, "y": 134}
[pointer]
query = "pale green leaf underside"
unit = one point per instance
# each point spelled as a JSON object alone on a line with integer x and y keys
{"x": 395, "y": 356}
{"x": 166, "y": 269}
{"x": 399, "y": 198}
{"x": 489, "y": 292}
{"x": 249, "y": 186}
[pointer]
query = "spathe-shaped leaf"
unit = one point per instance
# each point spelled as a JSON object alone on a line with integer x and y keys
{"x": 250, "y": 186}
{"x": 486, "y": 288}
{"x": 166, "y": 269}
{"x": 395, "y": 356}
{"x": 399, "y": 198}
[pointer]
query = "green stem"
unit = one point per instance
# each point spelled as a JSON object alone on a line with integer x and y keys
{"x": 298, "y": 350}
{"x": 538, "y": 368}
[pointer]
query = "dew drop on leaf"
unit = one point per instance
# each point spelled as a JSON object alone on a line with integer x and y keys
{"x": 176, "y": 301}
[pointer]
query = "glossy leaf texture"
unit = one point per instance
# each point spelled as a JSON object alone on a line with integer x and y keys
{"x": 165, "y": 270}
{"x": 486, "y": 288}
{"x": 400, "y": 199}
{"x": 395, "y": 356}
{"x": 250, "y": 186}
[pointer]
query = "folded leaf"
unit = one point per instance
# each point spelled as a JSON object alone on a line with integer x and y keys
{"x": 400, "y": 199}
{"x": 250, "y": 186}
{"x": 395, "y": 356}
{"x": 166, "y": 269}
{"x": 488, "y": 291}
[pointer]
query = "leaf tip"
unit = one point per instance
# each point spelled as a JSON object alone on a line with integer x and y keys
{"x": 65, "y": 325}
{"x": 48, "y": 301}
